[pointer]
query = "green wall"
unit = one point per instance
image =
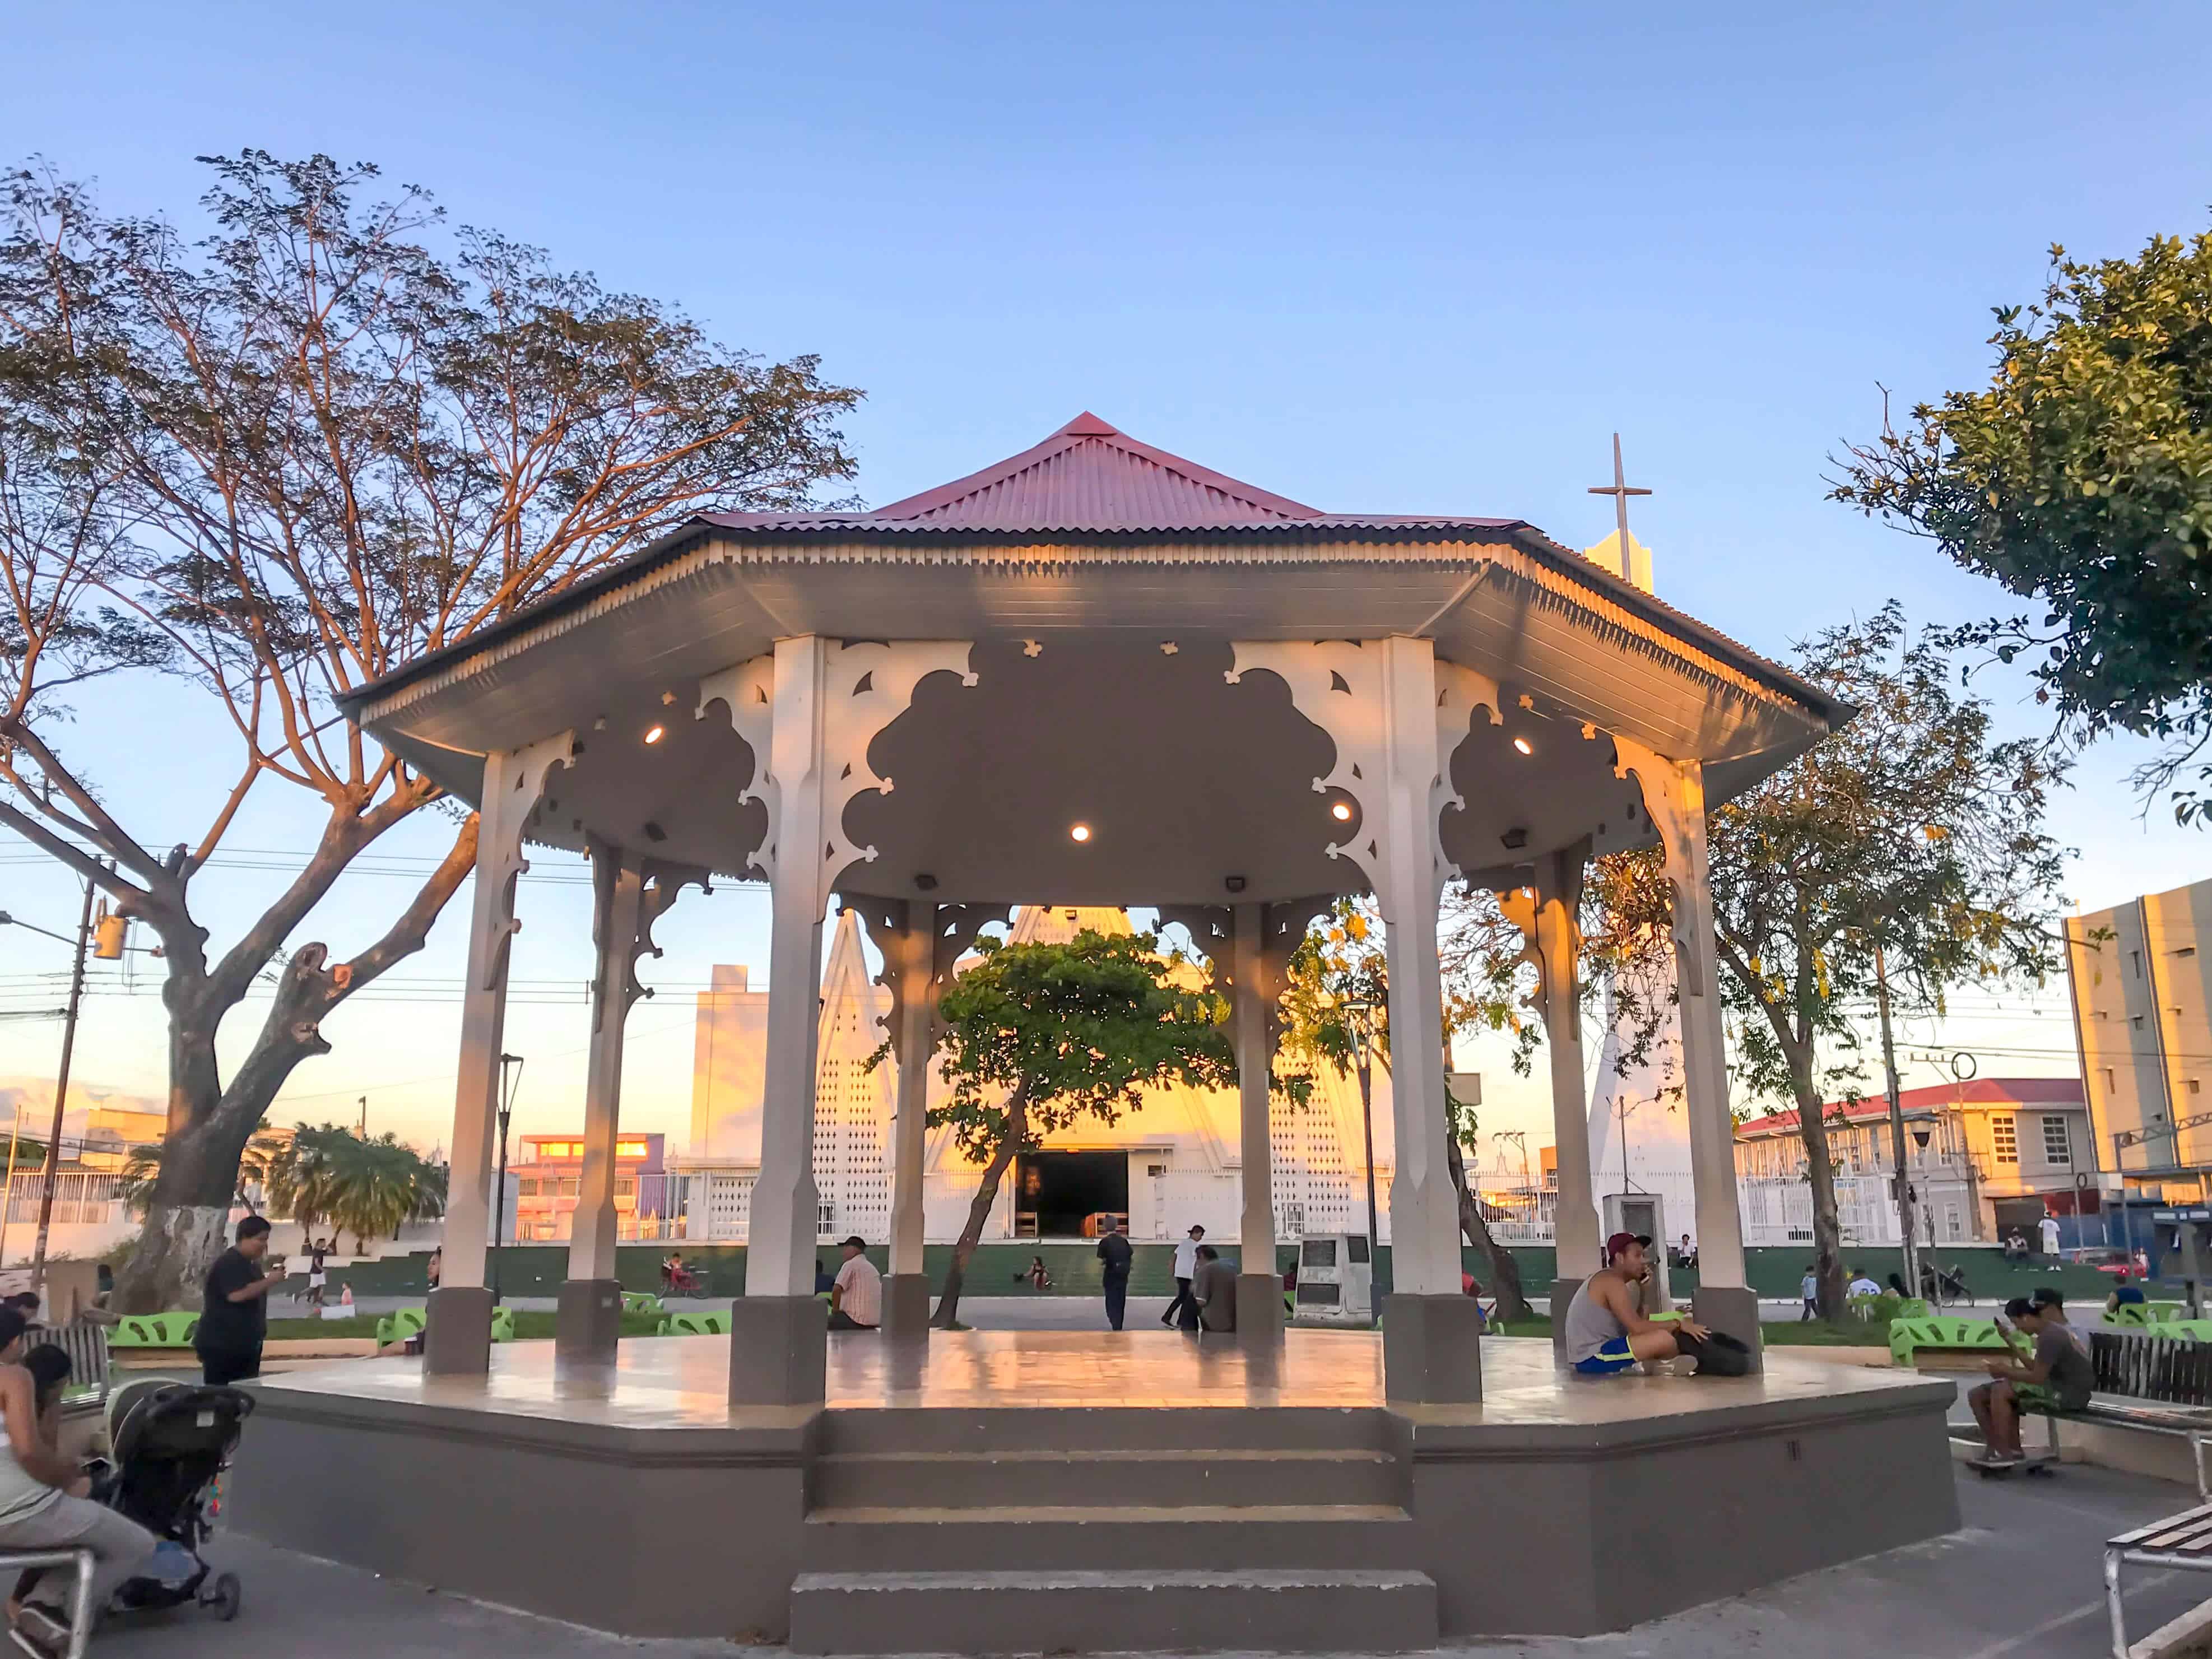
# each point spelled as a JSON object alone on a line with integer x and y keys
{"x": 1000, "y": 1269}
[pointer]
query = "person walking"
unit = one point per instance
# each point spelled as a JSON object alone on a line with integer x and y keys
{"x": 235, "y": 1314}
{"x": 1115, "y": 1252}
{"x": 1809, "y": 1289}
{"x": 317, "y": 1254}
{"x": 1182, "y": 1311}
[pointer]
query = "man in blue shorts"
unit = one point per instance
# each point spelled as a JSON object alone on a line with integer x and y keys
{"x": 1608, "y": 1334}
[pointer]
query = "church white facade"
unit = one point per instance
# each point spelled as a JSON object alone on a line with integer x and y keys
{"x": 1171, "y": 1163}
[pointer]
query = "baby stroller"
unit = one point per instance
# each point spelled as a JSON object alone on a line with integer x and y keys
{"x": 172, "y": 1442}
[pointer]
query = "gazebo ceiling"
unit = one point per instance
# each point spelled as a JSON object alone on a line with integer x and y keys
{"x": 1102, "y": 582}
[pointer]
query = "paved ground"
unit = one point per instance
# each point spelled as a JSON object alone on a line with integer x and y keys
{"x": 2020, "y": 1581}
{"x": 984, "y": 1313}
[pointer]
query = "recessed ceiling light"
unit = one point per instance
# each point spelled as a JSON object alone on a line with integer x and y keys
{"x": 1079, "y": 832}
{"x": 1524, "y": 745}
{"x": 1342, "y": 812}
{"x": 656, "y": 733}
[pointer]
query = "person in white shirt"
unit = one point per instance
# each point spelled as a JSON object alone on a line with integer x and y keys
{"x": 856, "y": 1298}
{"x": 1861, "y": 1285}
{"x": 1186, "y": 1269}
{"x": 2049, "y": 1227}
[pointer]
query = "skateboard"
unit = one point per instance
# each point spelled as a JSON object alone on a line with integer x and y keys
{"x": 2005, "y": 1471}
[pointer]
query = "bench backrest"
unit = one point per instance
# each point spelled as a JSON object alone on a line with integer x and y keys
{"x": 2147, "y": 1366}
{"x": 86, "y": 1344}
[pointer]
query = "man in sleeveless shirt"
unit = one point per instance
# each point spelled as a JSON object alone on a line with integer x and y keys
{"x": 1606, "y": 1332}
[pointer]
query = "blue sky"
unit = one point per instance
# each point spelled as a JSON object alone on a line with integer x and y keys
{"x": 1390, "y": 260}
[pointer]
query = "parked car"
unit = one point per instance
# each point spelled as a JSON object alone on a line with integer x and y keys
{"x": 2105, "y": 1258}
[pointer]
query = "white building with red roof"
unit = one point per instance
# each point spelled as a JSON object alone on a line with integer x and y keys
{"x": 1986, "y": 1155}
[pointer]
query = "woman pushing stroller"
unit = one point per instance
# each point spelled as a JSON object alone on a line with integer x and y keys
{"x": 45, "y": 1503}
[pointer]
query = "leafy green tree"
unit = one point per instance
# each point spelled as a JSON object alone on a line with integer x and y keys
{"x": 142, "y": 1171}
{"x": 2082, "y": 475}
{"x": 1909, "y": 832}
{"x": 278, "y": 462}
{"x": 1036, "y": 1037}
{"x": 1488, "y": 983}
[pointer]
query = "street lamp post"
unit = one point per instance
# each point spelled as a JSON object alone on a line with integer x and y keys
{"x": 1359, "y": 1020}
{"x": 510, "y": 1079}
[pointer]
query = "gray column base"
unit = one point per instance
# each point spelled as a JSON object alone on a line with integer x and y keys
{"x": 906, "y": 1306}
{"x": 1431, "y": 1350}
{"x": 1733, "y": 1308}
{"x": 779, "y": 1351}
{"x": 457, "y": 1339}
{"x": 588, "y": 1324}
{"x": 1564, "y": 1291}
{"x": 1259, "y": 1311}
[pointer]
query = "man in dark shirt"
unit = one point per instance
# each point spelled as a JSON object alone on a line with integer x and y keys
{"x": 1114, "y": 1250}
{"x": 235, "y": 1315}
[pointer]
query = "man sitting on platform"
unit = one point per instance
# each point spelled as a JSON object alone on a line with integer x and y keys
{"x": 1607, "y": 1332}
{"x": 856, "y": 1298}
{"x": 1214, "y": 1288}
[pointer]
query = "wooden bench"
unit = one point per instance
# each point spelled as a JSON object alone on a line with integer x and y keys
{"x": 2183, "y": 1540}
{"x": 2166, "y": 1389}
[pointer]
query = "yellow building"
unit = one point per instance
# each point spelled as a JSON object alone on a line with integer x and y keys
{"x": 2142, "y": 1014}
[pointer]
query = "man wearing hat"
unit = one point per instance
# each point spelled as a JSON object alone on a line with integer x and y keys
{"x": 856, "y": 1295}
{"x": 1607, "y": 1332}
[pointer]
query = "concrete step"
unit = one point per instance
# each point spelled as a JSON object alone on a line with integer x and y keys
{"x": 1133, "y": 1428}
{"x": 1155, "y": 1479}
{"x": 1114, "y": 1537}
{"x": 1280, "y": 1610}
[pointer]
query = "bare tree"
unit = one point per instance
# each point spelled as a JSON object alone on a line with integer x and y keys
{"x": 281, "y": 461}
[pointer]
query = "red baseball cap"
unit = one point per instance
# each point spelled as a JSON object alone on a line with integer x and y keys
{"x": 1619, "y": 1243}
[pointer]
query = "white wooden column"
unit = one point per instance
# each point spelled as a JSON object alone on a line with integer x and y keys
{"x": 1545, "y": 909}
{"x": 1255, "y": 1233}
{"x": 1396, "y": 716}
{"x": 618, "y": 888}
{"x": 1424, "y": 1255}
{"x": 1674, "y": 796}
{"x": 808, "y": 714}
{"x": 458, "y": 1339}
{"x": 915, "y": 1011}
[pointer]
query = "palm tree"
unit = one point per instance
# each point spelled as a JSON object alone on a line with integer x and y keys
{"x": 135, "y": 1184}
{"x": 302, "y": 1177}
{"x": 382, "y": 1184}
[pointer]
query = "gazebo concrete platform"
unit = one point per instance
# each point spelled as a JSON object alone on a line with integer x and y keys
{"x": 1003, "y": 1491}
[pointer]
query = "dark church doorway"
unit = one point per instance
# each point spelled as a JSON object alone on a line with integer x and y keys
{"x": 1061, "y": 1195}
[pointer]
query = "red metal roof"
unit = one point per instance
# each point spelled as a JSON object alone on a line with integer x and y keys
{"x": 1092, "y": 476}
{"x": 1980, "y": 1092}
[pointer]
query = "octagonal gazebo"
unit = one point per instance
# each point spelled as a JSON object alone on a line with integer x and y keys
{"x": 1097, "y": 673}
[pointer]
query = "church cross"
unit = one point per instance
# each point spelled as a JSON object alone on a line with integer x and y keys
{"x": 1621, "y": 492}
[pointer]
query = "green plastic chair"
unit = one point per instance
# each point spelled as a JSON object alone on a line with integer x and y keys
{"x": 502, "y": 1324}
{"x": 696, "y": 1324}
{"x": 1860, "y": 1307}
{"x": 160, "y": 1330}
{"x": 642, "y": 1301}
{"x": 1908, "y": 1336}
{"x": 400, "y": 1324}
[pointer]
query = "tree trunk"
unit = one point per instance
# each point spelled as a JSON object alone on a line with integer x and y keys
{"x": 1017, "y": 1131}
{"x": 1505, "y": 1271}
{"x": 1821, "y": 1177}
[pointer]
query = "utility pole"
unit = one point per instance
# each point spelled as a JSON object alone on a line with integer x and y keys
{"x": 364, "y": 1117}
{"x": 1904, "y": 1179}
{"x": 61, "y": 1095}
{"x": 7, "y": 1192}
